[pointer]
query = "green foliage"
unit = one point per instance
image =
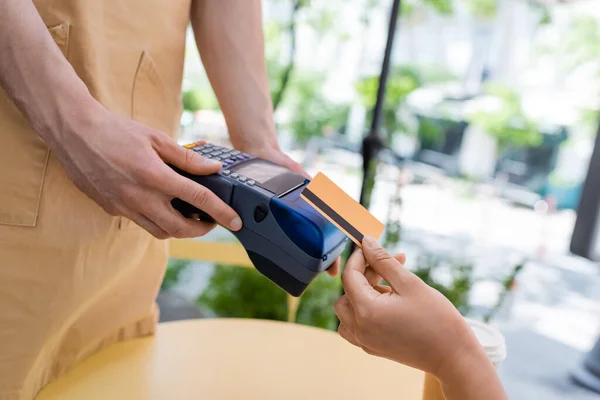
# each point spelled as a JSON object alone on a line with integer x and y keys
{"x": 190, "y": 100}
{"x": 316, "y": 304}
{"x": 243, "y": 293}
{"x": 507, "y": 287}
{"x": 431, "y": 131}
{"x": 311, "y": 113}
{"x": 273, "y": 33}
{"x": 367, "y": 11}
{"x": 274, "y": 71}
{"x": 237, "y": 292}
{"x": 321, "y": 17}
{"x": 544, "y": 12}
{"x": 559, "y": 181}
{"x": 546, "y": 18}
{"x": 402, "y": 81}
{"x": 589, "y": 120}
{"x": 482, "y": 9}
{"x": 579, "y": 47}
{"x": 173, "y": 272}
{"x": 407, "y": 8}
{"x": 507, "y": 122}
{"x": 435, "y": 74}
{"x": 461, "y": 282}
{"x": 442, "y": 7}
{"x": 457, "y": 290}
{"x": 197, "y": 99}
{"x": 393, "y": 229}
{"x": 580, "y": 44}
{"x": 286, "y": 72}
{"x": 322, "y": 21}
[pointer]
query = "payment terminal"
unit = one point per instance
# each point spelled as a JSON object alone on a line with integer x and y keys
{"x": 285, "y": 238}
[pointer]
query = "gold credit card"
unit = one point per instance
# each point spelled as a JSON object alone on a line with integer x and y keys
{"x": 341, "y": 210}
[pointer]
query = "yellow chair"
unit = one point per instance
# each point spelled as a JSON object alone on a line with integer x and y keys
{"x": 223, "y": 253}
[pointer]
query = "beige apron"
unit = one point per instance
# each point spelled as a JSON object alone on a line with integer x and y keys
{"x": 72, "y": 278}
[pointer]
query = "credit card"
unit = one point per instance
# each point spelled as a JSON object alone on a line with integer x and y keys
{"x": 341, "y": 210}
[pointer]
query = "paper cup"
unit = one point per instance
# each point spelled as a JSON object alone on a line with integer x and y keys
{"x": 490, "y": 339}
{"x": 493, "y": 344}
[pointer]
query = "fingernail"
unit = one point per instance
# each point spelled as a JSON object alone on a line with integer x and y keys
{"x": 236, "y": 224}
{"x": 370, "y": 242}
{"x": 210, "y": 161}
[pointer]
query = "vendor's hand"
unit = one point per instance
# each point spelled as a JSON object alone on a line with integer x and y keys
{"x": 334, "y": 269}
{"x": 278, "y": 157}
{"x": 120, "y": 164}
{"x": 408, "y": 321}
{"x": 282, "y": 159}
{"x": 274, "y": 154}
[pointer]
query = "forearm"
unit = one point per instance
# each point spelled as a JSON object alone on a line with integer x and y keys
{"x": 230, "y": 40}
{"x": 471, "y": 377}
{"x": 35, "y": 74}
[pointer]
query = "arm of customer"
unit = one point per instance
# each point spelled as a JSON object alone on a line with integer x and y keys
{"x": 229, "y": 36}
{"x": 413, "y": 324}
{"x": 118, "y": 163}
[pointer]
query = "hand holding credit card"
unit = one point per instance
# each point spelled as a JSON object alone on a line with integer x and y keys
{"x": 341, "y": 209}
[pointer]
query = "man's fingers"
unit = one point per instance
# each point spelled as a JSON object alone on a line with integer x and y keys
{"x": 334, "y": 269}
{"x": 345, "y": 333}
{"x": 354, "y": 280}
{"x": 186, "y": 159}
{"x": 294, "y": 166}
{"x": 205, "y": 200}
{"x": 150, "y": 226}
{"x": 278, "y": 157}
{"x": 175, "y": 224}
{"x": 345, "y": 312}
{"x": 286, "y": 161}
{"x": 383, "y": 263}
{"x": 190, "y": 191}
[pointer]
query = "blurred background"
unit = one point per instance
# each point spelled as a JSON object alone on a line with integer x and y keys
{"x": 488, "y": 124}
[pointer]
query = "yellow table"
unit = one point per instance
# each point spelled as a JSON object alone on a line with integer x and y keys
{"x": 213, "y": 359}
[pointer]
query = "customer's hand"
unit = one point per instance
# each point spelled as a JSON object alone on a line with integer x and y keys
{"x": 408, "y": 321}
{"x": 120, "y": 164}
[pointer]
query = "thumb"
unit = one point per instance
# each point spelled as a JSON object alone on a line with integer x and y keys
{"x": 186, "y": 159}
{"x": 383, "y": 263}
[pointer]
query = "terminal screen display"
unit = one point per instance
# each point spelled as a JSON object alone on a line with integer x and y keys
{"x": 261, "y": 171}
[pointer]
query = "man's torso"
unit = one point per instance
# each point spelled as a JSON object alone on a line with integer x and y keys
{"x": 72, "y": 278}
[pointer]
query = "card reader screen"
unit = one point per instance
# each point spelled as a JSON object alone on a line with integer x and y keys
{"x": 260, "y": 171}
